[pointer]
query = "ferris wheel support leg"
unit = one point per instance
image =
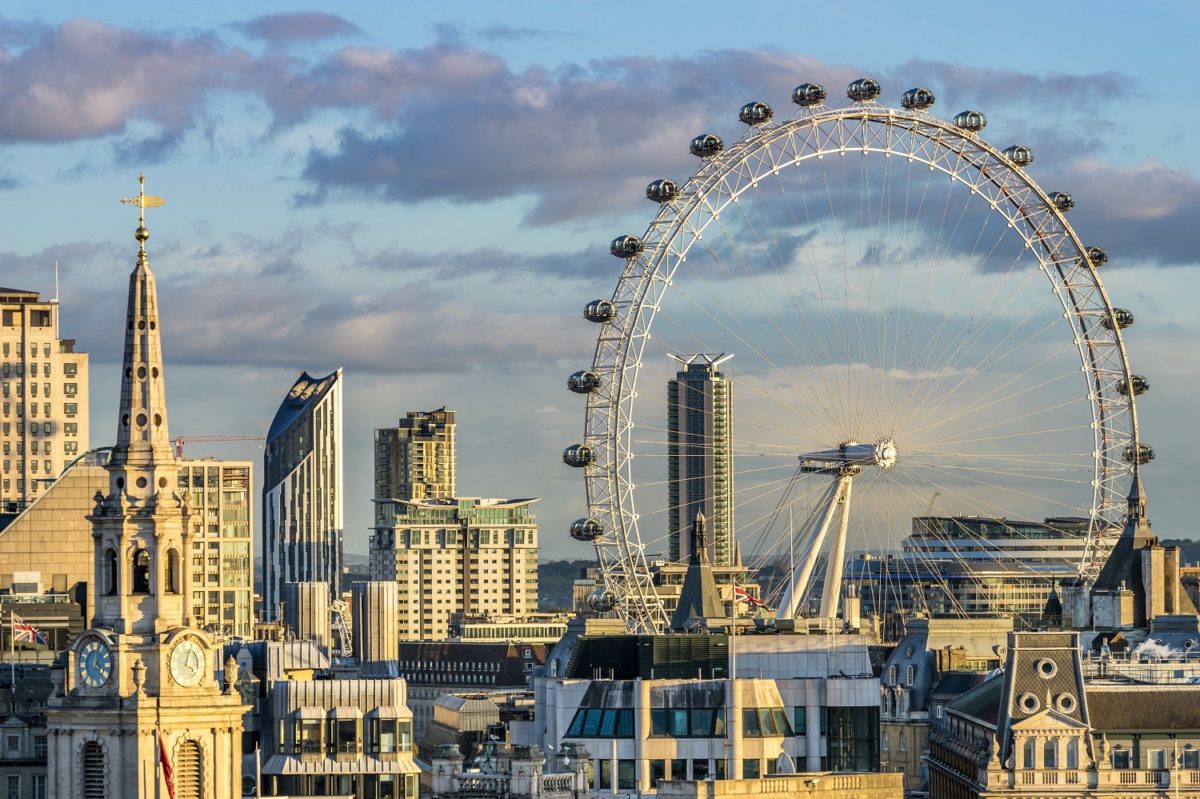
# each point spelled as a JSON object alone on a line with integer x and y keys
{"x": 798, "y": 582}
{"x": 835, "y": 565}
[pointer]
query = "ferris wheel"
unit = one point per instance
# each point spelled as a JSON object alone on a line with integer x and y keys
{"x": 910, "y": 315}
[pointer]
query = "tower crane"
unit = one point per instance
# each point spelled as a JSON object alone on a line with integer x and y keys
{"x": 340, "y": 610}
{"x": 181, "y": 440}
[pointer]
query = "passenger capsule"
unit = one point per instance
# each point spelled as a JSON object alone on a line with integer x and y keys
{"x": 578, "y": 455}
{"x": 586, "y": 529}
{"x": 1134, "y": 386}
{"x": 626, "y": 246}
{"x": 583, "y": 382}
{"x": 1145, "y": 454}
{"x": 599, "y": 311}
{"x": 602, "y": 600}
{"x": 972, "y": 121}
{"x": 1019, "y": 155}
{"x": 1062, "y": 201}
{"x": 1121, "y": 317}
{"x": 917, "y": 99}
{"x": 706, "y": 145}
{"x": 1097, "y": 256}
{"x": 863, "y": 90}
{"x": 662, "y": 191}
{"x": 808, "y": 95}
{"x": 755, "y": 113}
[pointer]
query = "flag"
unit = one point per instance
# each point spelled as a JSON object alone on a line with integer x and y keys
{"x": 742, "y": 595}
{"x": 25, "y": 632}
{"x": 165, "y": 762}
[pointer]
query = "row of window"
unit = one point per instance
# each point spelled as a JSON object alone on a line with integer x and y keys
{"x": 696, "y": 722}
{"x": 8, "y": 369}
{"x": 68, "y": 428}
{"x": 624, "y": 777}
{"x": 345, "y": 736}
{"x": 69, "y": 447}
{"x": 13, "y": 788}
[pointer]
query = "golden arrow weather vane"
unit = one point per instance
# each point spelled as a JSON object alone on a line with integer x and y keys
{"x": 143, "y": 201}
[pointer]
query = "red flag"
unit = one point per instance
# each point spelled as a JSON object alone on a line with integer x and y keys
{"x": 166, "y": 767}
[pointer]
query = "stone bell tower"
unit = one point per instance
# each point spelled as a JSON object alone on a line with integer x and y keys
{"x": 143, "y": 670}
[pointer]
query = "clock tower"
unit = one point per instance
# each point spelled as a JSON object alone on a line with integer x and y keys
{"x": 143, "y": 670}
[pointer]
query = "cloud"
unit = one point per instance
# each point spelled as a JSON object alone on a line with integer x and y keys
{"x": 1143, "y": 212}
{"x": 299, "y": 26}
{"x": 962, "y": 85}
{"x": 85, "y": 79}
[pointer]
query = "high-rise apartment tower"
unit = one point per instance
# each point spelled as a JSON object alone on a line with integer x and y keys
{"x": 415, "y": 459}
{"x": 700, "y": 456}
{"x": 222, "y": 555}
{"x": 44, "y": 396}
{"x": 302, "y": 490}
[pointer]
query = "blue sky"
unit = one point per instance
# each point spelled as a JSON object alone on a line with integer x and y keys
{"x": 423, "y": 193}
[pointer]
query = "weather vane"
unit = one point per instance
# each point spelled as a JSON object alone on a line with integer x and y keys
{"x": 143, "y": 201}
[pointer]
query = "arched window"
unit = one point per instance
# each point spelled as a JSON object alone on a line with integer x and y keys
{"x": 1073, "y": 753}
{"x": 909, "y": 673}
{"x": 189, "y": 772}
{"x": 95, "y": 784}
{"x": 110, "y": 571}
{"x": 1050, "y": 753}
{"x": 172, "y": 571}
{"x": 141, "y": 572}
{"x": 902, "y": 742}
{"x": 892, "y": 674}
{"x": 1028, "y": 754}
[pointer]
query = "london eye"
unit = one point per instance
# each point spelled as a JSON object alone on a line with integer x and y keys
{"x": 910, "y": 317}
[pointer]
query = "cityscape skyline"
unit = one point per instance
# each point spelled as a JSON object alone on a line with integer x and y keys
{"x": 361, "y": 276}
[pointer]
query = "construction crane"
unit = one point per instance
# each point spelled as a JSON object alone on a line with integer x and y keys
{"x": 181, "y": 440}
{"x": 340, "y": 611}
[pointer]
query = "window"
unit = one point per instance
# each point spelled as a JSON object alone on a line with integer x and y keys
{"x": 346, "y": 736}
{"x": 750, "y": 769}
{"x": 188, "y": 771}
{"x": 308, "y": 737}
{"x": 12, "y": 744}
{"x": 1050, "y": 753}
{"x": 1073, "y": 753}
{"x": 95, "y": 781}
{"x": 39, "y": 786}
{"x": 605, "y": 773}
{"x": 902, "y": 743}
{"x": 884, "y": 737}
{"x": 1156, "y": 759}
{"x": 69, "y": 369}
{"x": 172, "y": 571}
{"x": 853, "y": 738}
{"x": 657, "y": 772}
{"x": 1191, "y": 758}
{"x": 71, "y": 409}
{"x": 700, "y": 769}
{"x": 909, "y": 675}
{"x": 800, "y": 720}
{"x": 141, "y": 572}
{"x": 70, "y": 389}
{"x": 39, "y": 746}
{"x": 110, "y": 572}
{"x": 1028, "y": 754}
{"x": 14, "y": 786}
{"x": 1120, "y": 758}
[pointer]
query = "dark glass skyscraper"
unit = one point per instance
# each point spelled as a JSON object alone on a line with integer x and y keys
{"x": 700, "y": 456}
{"x": 302, "y": 490}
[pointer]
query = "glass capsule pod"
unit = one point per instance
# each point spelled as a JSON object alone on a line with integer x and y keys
{"x": 972, "y": 121}
{"x": 586, "y": 530}
{"x": 578, "y": 455}
{"x": 583, "y": 382}
{"x": 1019, "y": 155}
{"x": 807, "y": 95}
{"x": 599, "y": 311}
{"x": 706, "y": 145}
{"x": 1135, "y": 385}
{"x": 1144, "y": 454}
{"x": 662, "y": 190}
{"x": 1062, "y": 201}
{"x": 863, "y": 90}
{"x": 626, "y": 246}
{"x": 755, "y": 113}
{"x": 917, "y": 99}
{"x": 602, "y": 600}
{"x": 1097, "y": 256}
{"x": 1121, "y": 317}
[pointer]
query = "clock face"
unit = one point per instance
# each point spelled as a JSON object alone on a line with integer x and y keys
{"x": 94, "y": 663}
{"x": 187, "y": 663}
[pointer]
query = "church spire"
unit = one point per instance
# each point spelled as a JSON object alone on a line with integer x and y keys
{"x": 142, "y": 439}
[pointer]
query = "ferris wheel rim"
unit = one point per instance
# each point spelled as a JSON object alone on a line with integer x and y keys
{"x": 610, "y": 487}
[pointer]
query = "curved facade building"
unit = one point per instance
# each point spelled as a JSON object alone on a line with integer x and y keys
{"x": 302, "y": 490}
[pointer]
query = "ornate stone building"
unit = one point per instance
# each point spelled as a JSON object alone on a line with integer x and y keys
{"x": 144, "y": 672}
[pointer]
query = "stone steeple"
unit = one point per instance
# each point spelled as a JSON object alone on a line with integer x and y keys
{"x": 142, "y": 462}
{"x": 700, "y": 604}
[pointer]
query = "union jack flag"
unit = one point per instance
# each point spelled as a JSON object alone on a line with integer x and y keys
{"x": 742, "y": 595}
{"x": 24, "y": 632}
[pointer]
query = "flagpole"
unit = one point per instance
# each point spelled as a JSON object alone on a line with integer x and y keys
{"x": 12, "y": 653}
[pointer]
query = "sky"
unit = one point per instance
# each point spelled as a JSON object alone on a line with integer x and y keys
{"x": 423, "y": 194}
